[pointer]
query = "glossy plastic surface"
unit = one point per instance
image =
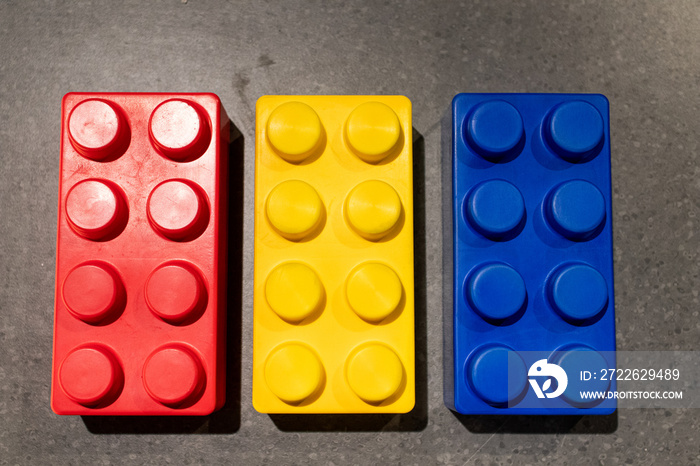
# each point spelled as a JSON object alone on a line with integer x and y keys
{"x": 528, "y": 244}
{"x": 334, "y": 313}
{"x": 141, "y": 255}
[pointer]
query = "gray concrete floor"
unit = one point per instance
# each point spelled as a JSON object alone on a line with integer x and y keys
{"x": 643, "y": 55}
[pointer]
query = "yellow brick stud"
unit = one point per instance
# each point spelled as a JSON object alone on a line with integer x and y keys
{"x": 294, "y": 291}
{"x": 373, "y": 209}
{"x": 294, "y": 373}
{"x": 294, "y": 131}
{"x": 372, "y": 130}
{"x": 374, "y": 291}
{"x": 294, "y": 209}
{"x": 374, "y": 372}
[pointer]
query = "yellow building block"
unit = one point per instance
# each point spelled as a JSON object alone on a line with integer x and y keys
{"x": 334, "y": 303}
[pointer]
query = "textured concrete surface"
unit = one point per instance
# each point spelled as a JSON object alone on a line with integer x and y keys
{"x": 643, "y": 55}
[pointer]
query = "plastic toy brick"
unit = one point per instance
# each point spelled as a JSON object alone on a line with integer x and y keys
{"x": 334, "y": 304}
{"x": 140, "y": 268}
{"x": 528, "y": 249}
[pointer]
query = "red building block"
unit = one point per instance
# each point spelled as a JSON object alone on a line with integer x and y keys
{"x": 141, "y": 258}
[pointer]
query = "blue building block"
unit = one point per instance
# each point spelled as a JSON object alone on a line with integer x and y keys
{"x": 528, "y": 276}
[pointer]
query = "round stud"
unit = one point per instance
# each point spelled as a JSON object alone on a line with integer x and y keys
{"x": 495, "y": 131}
{"x": 374, "y": 372}
{"x": 575, "y": 131}
{"x": 576, "y": 210}
{"x": 179, "y": 130}
{"x": 373, "y": 209}
{"x": 372, "y": 131}
{"x": 178, "y": 210}
{"x": 294, "y": 291}
{"x": 496, "y": 210}
{"x": 374, "y": 291}
{"x": 578, "y": 293}
{"x": 94, "y": 292}
{"x": 294, "y": 131}
{"x": 175, "y": 292}
{"x": 496, "y": 374}
{"x": 496, "y": 292}
{"x": 294, "y": 209}
{"x": 575, "y": 359}
{"x": 174, "y": 376}
{"x": 91, "y": 376}
{"x": 96, "y": 209}
{"x": 294, "y": 373}
{"x": 98, "y": 130}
